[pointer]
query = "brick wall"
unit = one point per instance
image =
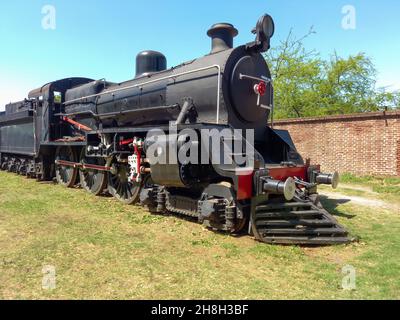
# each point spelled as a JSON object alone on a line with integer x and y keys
{"x": 362, "y": 144}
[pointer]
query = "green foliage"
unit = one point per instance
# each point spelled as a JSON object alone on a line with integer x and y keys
{"x": 384, "y": 99}
{"x": 307, "y": 85}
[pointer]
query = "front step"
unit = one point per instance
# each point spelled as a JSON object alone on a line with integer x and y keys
{"x": 284, "y": 205}
{"x": 307, "y": 240}
{"x": 299, "y": 223}
{"x": 302, "y": 223}
{"x": 308, "y": 232}
{"x": 292, "y": 214}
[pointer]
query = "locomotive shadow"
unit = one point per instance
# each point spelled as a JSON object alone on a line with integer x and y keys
{"x": 331, "y": 206}
{"x": 194, "y": 220}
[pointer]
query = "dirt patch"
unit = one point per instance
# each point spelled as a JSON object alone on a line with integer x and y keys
{"x": 359, "y": 188}
{"x": 361, "y": 200}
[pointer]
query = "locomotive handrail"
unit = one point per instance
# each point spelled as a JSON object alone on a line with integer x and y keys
{"x": 218, "y": 67}
{"x": 108, "y": 114}
{"x": 262, "y": 79}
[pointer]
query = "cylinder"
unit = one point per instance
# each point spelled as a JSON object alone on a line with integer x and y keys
{"x": 222, "y": 35}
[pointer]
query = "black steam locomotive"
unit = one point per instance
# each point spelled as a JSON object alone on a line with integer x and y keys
{"x": 170, "y": 139}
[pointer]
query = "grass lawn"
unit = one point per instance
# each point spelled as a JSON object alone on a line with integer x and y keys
{"x": 104, "y": 250}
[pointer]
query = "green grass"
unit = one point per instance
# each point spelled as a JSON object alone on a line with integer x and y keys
{"x": 384, "y": 185}
{"x": 104, "y": 250}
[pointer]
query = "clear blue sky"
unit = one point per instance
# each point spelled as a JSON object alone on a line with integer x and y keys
{"x": 100, "y": 39}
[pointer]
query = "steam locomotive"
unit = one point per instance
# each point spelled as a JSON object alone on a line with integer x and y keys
{"x": 110, "y": 137}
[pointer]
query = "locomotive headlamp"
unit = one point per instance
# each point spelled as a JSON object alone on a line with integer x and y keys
{"x": 265, "y": 26}
{"x": 264, "y": 30}
{"x": 328, "y": 178}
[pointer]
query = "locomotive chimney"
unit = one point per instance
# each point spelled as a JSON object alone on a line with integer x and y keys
{"x": 148, "y": 62}
{"x": 222, "y": 35}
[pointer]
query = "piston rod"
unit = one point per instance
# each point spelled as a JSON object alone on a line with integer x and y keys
{"x": 80, "y": 165}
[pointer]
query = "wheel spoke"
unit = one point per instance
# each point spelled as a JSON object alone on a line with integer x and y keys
{"x": 93, "y": 181}
{"x": 130, "y": 189}
{"x": 66, "y": 176}
{"x": 120, "y": 186}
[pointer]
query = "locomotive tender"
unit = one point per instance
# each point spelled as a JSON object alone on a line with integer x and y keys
{"x": 106, "y": 135}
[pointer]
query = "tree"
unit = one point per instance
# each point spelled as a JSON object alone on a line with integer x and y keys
{"x": 295, "y": 72}
{"x": 306, "y": 85}
{"x": 387, "y": 100}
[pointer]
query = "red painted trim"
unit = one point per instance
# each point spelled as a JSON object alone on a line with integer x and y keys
{"x": 126, "y": 142}
{"x": 245, "y": 186}
{"x": 79, "y": 165}
{"x": 282, "y": 173}
{"x": 76, "y": 124}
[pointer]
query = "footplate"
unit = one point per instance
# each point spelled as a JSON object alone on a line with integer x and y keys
{"x": 296, "y": 222}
